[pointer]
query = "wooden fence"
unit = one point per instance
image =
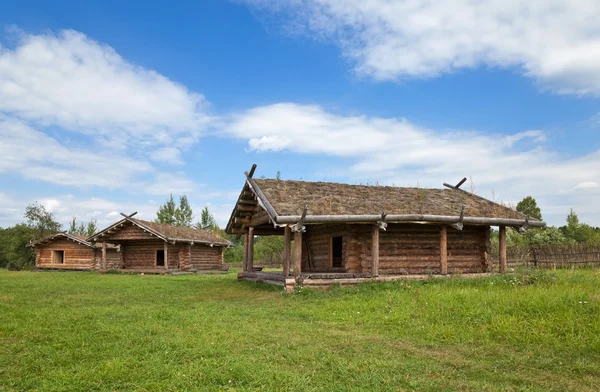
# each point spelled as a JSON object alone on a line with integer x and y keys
{"x": 552, "y": 255}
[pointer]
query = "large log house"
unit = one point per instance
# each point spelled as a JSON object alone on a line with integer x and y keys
{"x": 153, "y": 247}
{"x": 354, "y": 233}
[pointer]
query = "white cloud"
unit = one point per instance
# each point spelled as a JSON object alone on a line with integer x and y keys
{"x": 74, "y": 82}
{"x": 395, "y": 151}
{"x": 169, "y": 155}
{"x": 556, "y": 42}
{"x": 35, "y": 155}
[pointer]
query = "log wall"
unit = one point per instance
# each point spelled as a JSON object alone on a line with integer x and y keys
{"x": 205, "y": 257}
{"x": 403, "y": 249}
{"x": 129, "y": 231}
{"x": 142, "y": 254}
{"x": 76, "y": 256}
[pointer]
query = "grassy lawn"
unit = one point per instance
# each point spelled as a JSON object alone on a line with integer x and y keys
{"x": 82, "y": 331}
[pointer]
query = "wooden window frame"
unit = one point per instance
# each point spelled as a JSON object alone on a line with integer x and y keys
{"x": 63, "y": 256}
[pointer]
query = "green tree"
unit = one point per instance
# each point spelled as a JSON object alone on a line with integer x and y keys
{"x": 73, "y": 228}
{"x": 166, "y": 212}
{"x": 41, "y": 221}
{"x": 207, "y": 220}
{"x": 91, "y": 228}
{"x": 14, "y": 252}
{"x": 184, "y": 214}
{"x": 528, "y": 206}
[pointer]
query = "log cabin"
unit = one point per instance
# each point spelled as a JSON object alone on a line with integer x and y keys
{"x": 64, "y": 251}
{"x": 160, "y": 248}
{"x": 340, "y": 233}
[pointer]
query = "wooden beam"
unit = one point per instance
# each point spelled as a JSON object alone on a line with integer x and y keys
{"x": 259, "y": 219}
{"x": 375, "y": 251}
{"x": 104, "y": 256}
{"x": 166, "y": 256}
{"x": 252, "y": 170}
{"x": 502, "y": 248}
{"x": 251, "y": 249}
{"x": 297, "y": 254}
{"x": 444, "y": 250}
{"x": 245, "y": 266}
{"x": 287, "y": 244}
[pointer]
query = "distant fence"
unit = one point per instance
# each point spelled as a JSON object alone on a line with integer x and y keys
{"x": 552, "y": 255}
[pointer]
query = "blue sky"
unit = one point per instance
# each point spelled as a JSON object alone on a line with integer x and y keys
{"x": 110, "y": 107}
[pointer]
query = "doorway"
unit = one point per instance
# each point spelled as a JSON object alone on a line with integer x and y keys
{"x": 160, "y": 258}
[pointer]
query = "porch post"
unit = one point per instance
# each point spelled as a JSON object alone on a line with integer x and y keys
{"x": 166, "y": 256}
{"x": 375, "y": 251}
{"x": 287, "y": 239}
{"x": 297, "y": 254}
{"x": 444, "y": 250}
{"x": 103, "y": 255}
{"x": 502, "y": 248}
{"x": 251, "y": 248}
{"x": 245, "y": 265}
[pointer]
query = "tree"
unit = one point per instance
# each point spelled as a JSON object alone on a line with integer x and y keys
{"x": 14, "y": 252}
{"x": 207, "y": 221}
{"x": 73, "y": 228}
{"x": 91, "y": 228}
{"x": 43, "y": 222}
{"x": 183, "y": 214}
{"x": 166, "y": 212}
{"x": 528, "y": 206}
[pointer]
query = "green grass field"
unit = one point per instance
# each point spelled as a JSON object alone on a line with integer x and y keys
{"x": 79, "y": 331}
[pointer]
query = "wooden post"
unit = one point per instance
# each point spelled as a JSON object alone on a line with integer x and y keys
{"x": 444, "y": 250}
{"x": 103, "y": 255}
{"x": 251, "y": 248}
{"x": 189, "y": 264}
{"x": 502, "y": 248}
{"x": 375, "y": 251}
{"x": 245, "y": 266}
{"x": 287, "y": 244}
{"x": 166, "y": 256}
{"x": 297, "y": 254}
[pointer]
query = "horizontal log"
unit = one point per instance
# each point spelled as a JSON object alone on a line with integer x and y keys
{"x": 408, "y": 218}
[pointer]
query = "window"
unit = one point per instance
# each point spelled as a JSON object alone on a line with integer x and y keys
{"x": 160, "y": 258}
{"x": 336, "y": 252}
{"x": 58, "y": 256}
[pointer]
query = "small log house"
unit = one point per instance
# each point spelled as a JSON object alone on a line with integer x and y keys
{"x": 66, "y": 251}
{"x": 339, "y": 233}
{"x": 153, "y": 247}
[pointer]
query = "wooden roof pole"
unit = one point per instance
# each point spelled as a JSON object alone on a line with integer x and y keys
{"x": 287, "y": 244}
{"x": 502, "y": 248}
{"x": 443, "y": 250}
{"x": 250, "y": 249}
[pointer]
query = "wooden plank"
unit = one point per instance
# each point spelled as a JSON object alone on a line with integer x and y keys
{"x": 250, "y": 248}
{"x": 375, "y": 251}
{"x": 502, "y": 248}
{"x": 444, "y": 250}
{"x": 297, "y": 254}
{"x": 287, "y": 244}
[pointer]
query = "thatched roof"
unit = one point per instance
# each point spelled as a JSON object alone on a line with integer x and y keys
{"x": 165, "y": 232}
{"x": 327, "y": 198}
{"x": 270, "y": 202}
{"x": 184, "y": 233}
